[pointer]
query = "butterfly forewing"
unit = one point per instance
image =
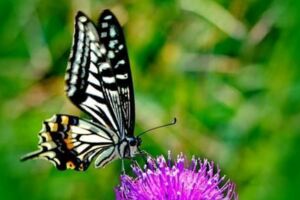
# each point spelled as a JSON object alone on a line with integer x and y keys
{"x": 83, "y": 86}
{"x": 112, "y": 37}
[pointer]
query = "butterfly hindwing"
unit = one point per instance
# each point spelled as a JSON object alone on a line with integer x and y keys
{"x": 70, "y": 142}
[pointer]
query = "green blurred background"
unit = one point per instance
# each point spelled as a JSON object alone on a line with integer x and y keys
{"x": 228, "y": 70}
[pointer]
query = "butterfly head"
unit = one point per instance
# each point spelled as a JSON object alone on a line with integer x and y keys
{"x": 134, "y": 143}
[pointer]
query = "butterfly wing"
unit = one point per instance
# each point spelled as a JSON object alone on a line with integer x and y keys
{"x": 94, "y": 82}
{"x": 83, "y": 86}
{"x": 112, "y": 37}
{"x": 72, "y": 143}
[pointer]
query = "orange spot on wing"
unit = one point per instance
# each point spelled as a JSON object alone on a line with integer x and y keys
{"x": 68, "y": 141}
{"x": 70, "y": 165}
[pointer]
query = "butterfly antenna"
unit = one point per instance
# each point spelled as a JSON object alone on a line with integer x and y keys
{"x": 151, "y": 129}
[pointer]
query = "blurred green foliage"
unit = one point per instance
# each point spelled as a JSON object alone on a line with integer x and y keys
{"x": 228, "y": 70}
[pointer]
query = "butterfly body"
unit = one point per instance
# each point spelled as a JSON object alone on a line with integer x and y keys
{"x": 98, "y": 81}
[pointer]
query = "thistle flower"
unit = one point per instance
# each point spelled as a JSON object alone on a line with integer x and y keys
{"x": 162, "y": 180}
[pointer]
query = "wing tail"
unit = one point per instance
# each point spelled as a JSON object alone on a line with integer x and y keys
{"x": 31, "y": 156}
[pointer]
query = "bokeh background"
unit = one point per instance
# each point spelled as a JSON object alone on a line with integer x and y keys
{"x": 228, "y": 70}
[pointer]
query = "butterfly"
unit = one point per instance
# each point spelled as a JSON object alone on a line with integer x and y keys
{"x": 99, "y": 82}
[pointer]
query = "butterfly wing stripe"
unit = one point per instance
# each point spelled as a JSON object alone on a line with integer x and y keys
{"x": 109, "y": 80}
{"x": 93, "y": 68}
{"x": 48, "y": 145}
{"x": 93, "y": 91}
{"x": 94, "y": 139}
{"x": 79, "y": 130}
{"x": 91, "y": 150}
{"x": 79, "y": 149}
{"x": 94, "y": 153}
{"x": 74, "y": 143}
{"x": 105, "y": 157}
{"x": 114, "y": 42}
{"x": 80, "y": 61}
{"x": 122, "y": 76}
{"x": 84, "y": 128}
{"x": 96, "y": 106}
{"x": 97, "y": 116}
{"x": 110, "y": 91}
{"x": 82, "y": 81}
{"x": 92, "y": 79}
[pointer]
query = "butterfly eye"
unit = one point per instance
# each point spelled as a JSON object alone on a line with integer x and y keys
{"x": 132, "y": 142}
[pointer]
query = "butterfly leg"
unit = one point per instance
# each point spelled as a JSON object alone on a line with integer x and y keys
{"x": 145, "y": 155}
{"x": 134, "y": 162}
{"x": 123, "y": 167}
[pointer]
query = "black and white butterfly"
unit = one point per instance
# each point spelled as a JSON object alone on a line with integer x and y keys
{"x": 99, "y": 82}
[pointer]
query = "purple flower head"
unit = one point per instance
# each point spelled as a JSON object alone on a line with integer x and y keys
{"x": 162, "y": 180}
